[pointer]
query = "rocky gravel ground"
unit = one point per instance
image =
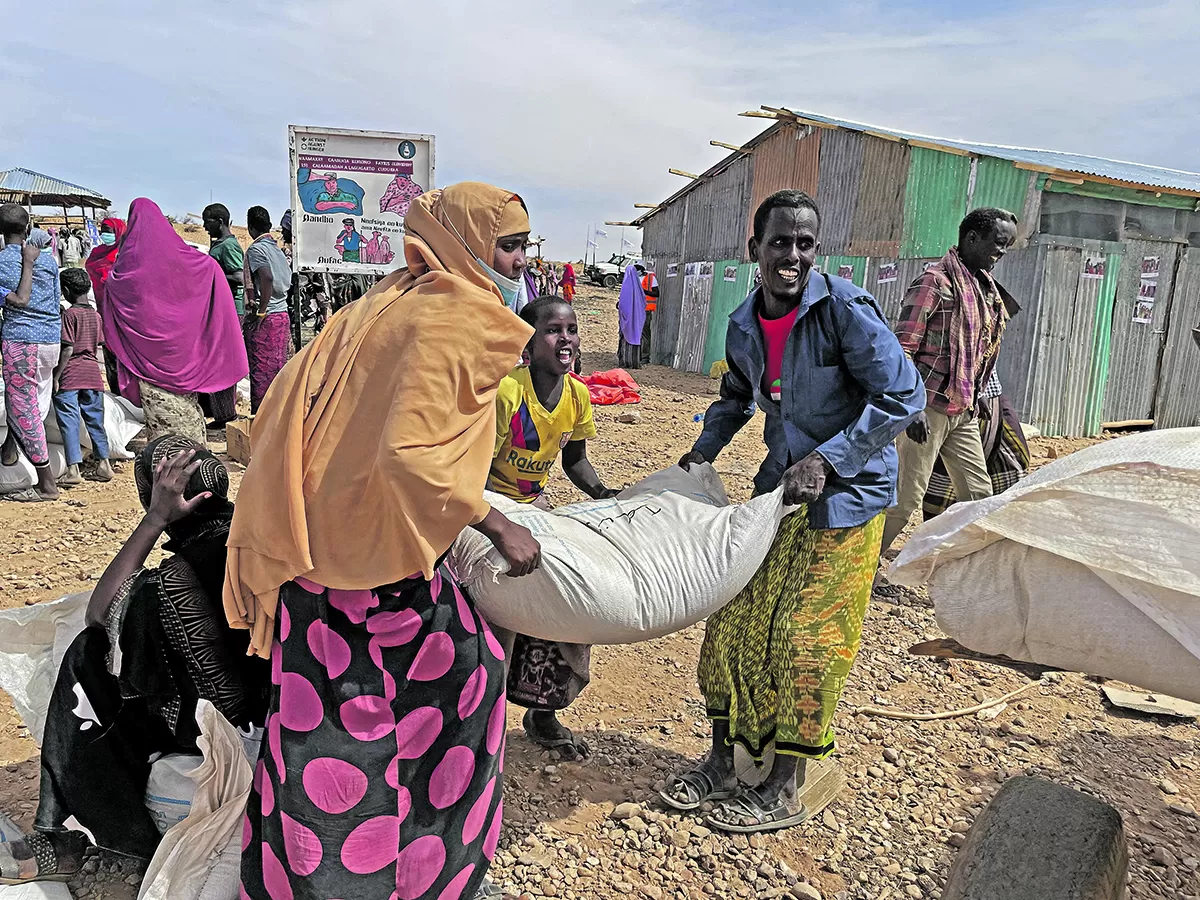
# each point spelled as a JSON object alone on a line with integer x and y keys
{"x": 595, "y": 830}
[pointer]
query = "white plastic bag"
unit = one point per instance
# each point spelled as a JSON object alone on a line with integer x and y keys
{"x": 170, "y": 788}
{"x": 1090, "y": 564}
{"x": 200, "y": 857}
{"x": 665, "y": 554}
{"x": 33, "y": 641}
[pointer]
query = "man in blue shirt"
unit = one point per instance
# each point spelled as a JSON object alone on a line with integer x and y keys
{"x": 31, "y": 336}
{"x": 816, "y": 355}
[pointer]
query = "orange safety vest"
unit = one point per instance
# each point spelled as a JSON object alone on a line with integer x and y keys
{"x": 651, "y": 302}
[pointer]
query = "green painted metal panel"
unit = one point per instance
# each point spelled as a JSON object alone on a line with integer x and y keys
{"x": 1114, "y": 192}
{"x": 1101, "y": 346}
{"x": 726, "y": 297}
{"x": 935, "y": 201}
{"x": 1000, "y": 184}
{"x": 834, "y": 265}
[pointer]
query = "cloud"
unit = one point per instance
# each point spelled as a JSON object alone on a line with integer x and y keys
{"x": 581, "y": 107}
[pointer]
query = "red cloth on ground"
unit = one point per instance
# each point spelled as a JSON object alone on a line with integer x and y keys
{"x": 611, "y": 388}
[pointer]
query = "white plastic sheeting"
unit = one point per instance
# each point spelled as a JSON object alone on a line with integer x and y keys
{"x": 1090, "y": 564}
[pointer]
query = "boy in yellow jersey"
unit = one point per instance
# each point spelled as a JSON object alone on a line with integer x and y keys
{"x": 540, "y": 413}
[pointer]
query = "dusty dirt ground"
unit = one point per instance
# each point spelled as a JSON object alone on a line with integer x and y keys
{"x": 913, "y": 788}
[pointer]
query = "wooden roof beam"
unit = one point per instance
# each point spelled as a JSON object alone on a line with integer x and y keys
{"x": 758, "y": 114}
{"x": 734, "y": 147}
{"x": 645, "y": 206}
{"x": 683, "y": 174}
{"x": 630, "y": 224}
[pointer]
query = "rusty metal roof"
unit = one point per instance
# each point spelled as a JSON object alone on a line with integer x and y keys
{"x": 1062, "y": 161}
{"x": 26, "y": 186}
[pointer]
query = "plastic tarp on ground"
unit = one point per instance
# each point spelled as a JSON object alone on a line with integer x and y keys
{"x": 1091, "y": 564}
{"x": 612, "y": 388}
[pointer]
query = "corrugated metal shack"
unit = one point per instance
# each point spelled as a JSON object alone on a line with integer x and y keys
{"x": 1106, "y": 268}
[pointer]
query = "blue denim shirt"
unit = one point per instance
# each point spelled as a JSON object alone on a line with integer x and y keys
{"x": 848, "y": 391}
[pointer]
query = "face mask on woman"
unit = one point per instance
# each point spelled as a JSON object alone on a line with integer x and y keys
{"x": 108, "y": 238}
{"x": 511, "y": 289}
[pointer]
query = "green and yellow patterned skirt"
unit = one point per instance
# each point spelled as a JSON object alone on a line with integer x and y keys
{"x": 775, "y": 660}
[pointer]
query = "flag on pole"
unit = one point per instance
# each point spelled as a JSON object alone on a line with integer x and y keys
{"x": 626, "y": 243}
{"x": 591, "y": 243}
{"x": 601, "y": 232}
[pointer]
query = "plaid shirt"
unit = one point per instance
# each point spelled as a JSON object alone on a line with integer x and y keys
{"x": 951, "y": 326}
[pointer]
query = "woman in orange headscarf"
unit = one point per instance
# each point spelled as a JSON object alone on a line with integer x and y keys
{"x": 380, "y": 773}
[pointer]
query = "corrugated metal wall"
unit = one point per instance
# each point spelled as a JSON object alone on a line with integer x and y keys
{"x": 1052, "y": 354}
{"x": 662, "y": 235}
{"x": 935, "y": 201}
{"x": 693, "y": 320}
{"x": 665, "y": 327}
{"x": 1021, "y": 274}
{"x": 1178, "y": 402}
{"x": 834, "y": 265}
{"x": 726, "y": 297}
{"x": 1080, "y": 346}
{"x": 840, "y": 169}
{"x": 879, "y": 210}
{"x": 1001, "y": 184}
{"x": 717, "y": 213}
{"x": 1101, "y": 344}
{"x": 891, "y": 292}
{"x": 787, "y": 159}
{"x": 1137, "y": 348}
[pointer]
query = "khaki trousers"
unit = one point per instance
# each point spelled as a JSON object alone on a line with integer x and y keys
{"x": 957, "y": 440}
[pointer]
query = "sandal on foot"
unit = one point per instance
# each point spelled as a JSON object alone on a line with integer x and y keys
{"x": 488, "y": 891}
{"x": 749, "y": 805}
{"x": 571, "y": 748}
{"x": 700, "y": 783}
{"x": 26, "y": 495}
{"x": 32, "y": 858}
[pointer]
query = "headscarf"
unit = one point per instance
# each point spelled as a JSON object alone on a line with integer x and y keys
{"x": 365, "y": 468}
{"x": 169, "y": 314}
{"x": 39, "y": 238}
{"x": 199, "y": 537}
{"x": 568, "y": 276}
{"x": 632, "y": 307}
{"x": 100, "y": 261}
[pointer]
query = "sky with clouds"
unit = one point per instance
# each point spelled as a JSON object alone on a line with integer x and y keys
{"x": 579, "y": 106}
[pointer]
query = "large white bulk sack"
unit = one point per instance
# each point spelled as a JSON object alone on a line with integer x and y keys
{"x": 22, "y": 474}
{"x": 33, "y": 641}
{"x": 1090, "y": 564}
{"x": 665, "y": 554}
{"x": 122, "y": 423}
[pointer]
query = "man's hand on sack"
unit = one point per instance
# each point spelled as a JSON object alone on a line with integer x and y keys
{"x": 804, "y": 482}
{"x": 691, "y": 458}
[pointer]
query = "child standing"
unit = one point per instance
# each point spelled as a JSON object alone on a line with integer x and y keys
{"x": 78, "y": 384}
{"x": 540, "y": 413}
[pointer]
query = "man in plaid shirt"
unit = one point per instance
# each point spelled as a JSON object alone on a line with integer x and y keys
{"x": 951, "y": 326}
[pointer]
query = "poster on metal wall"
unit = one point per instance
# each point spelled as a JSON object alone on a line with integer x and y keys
{"x": 350, "y": 193}
{"x": 672, "y": 270}
{"x": 730, "y": 273}
{"x": 1143, "y": 309}
{"x": 846, "y": 272}
{"x": 706, "y": 270}
{"x": 1150, "y": 266}
{"x": 889, "y": 273}
{"x": 1093, "y": 268}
